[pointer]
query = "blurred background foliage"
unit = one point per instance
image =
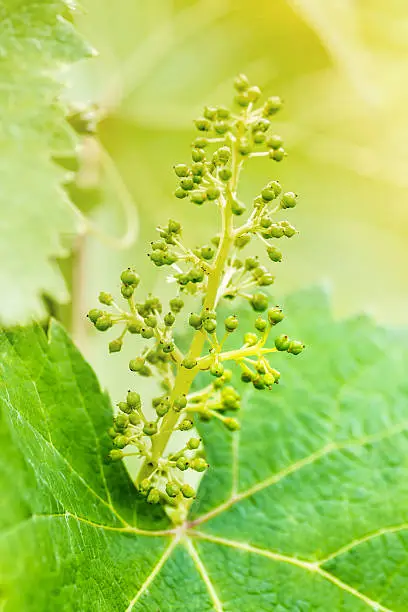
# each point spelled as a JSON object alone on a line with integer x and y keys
{"x": 340, "y": 66}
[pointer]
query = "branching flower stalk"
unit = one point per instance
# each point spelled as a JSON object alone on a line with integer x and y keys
{"x": 216, "y": 273}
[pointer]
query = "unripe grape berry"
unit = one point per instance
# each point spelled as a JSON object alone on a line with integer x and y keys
{"x": 274, "y": 253}
{"x": 180, "y": 193}
{"x": 288, "y": 200}
{"x": 295, "y": 347}
{"x": 116, "y": 455}
{"x": 182, "y": 464}
{"x": 181, "y": 170}
{"x": 213, "y": 193}
{"x": 282, "y": 342}
{"x": 209, "y": 325}
{"x": 195, "y": 321}
{"x": 150, "y": 428}
{"x": 120, "y": 441}
{"x": 250, "y": 339}
{"x": 275, "y": 315}
{"x": 260, "y": 324}
{"x": 135, "y": 365}
{"x": 103, "y": 323}
{"x": 185, "y": 425}
{"x": 129, "y": 277}
{"x": 127, "y": 291}
{"x": 277, "y": 154}
{"x": 187, "y": 491}
{"x": 133, "y": 400}
{"x": 217, "y": 370}
{"x": 231, "y": 323}
{"x": 94, "y": 314}
{"x": 172, "y": 489}
{"x": 241, "y": 82}
{"x": 115, "y": 345}
{"x": 193, "y": 443}
{"x": 176, "y": 304}
{"x": 259, "y": 302}
{"x": 198, "y": 464}
{"x": 153, "y": 497}
{"x": 187, "y": 183}
{"x": 231, "y": 424}
{"x": 189, "y": 363}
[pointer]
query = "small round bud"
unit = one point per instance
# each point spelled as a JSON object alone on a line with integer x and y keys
{"x": 153, "y": 497}
{"x": 135, "y": 365}
{"x": 187, "y": 183}
{"x": 251, "y": 263}
{"x": 217, "y": 370}
{"x": 103, "y": 323}
{"x": 260, "y": 324}
{"x": 269, "y": 379}
{"x": 231, "y": 323}
{"x": 180, "y": 403}
{"x": 195, "y": 321}
{"x": 193, "y": 443}
{"x": 198, "y": 197}
{"x": 127, "y": 291}
{"x": 213, "y": 193}
{"x": 225, "y": 174}
{"x": 274, "y": 141}
{"x": 247, "y": 376}
{"x": 244, "y": 147}
{"x": 181, "y": 170}
{"x": 221, "y": 127}
{"x": 189, "y": 363}
{"x": 168, "y": 348}
{"x": 207, "y": 252}
{"x": 176, "y": 304}
{"x": 223, "y": 154}
{"x": 223, "y": 112}
{"x": 241, "y": 241}
{"x": 250, "y": 339}
{"x": 288, "y": 200}
{"x": 185, "y": 425}
{"x": 265, "y": 280}
{"x": 180, "y": 193}
{"x": 288, "y": 229}
{"x": 259, "y": 383}
{"x": 268, "y": 194}
{"x": 198, "y": 168}
{"x": 242, "y": 99}
{"x": 134, "y": 418}
{"x": 121, "y": 421}
{"x": 169, "y": 319}
{"x": 162, "y": 409}
{"x": 129, "y": 277}
{"x": 120, "y": 441}
{"x": 182, "y": 464}
{"x": 116, "y": 455}
{"x": 198, "y": 464}
{"x": 272, "y": 106}
{"x": 258, "y": 137}
{"x": 151, "y": 320}
{"x": 274, "y": 253}
{"x": 259, "y": 302}
{"x": 295, "y": 347}
{"x": 150, "y": 428}
{"x": 172, "y": 489}
{"x": 237, "y": 207}
{"x": 266, "y": 222}
{"x": 202, "y": 124}
{"x": 210, "y": 112}
{"x": 147, "y": 333}
{"x": 200, "y": 143}
{"x": 105, "y": 298}
{"x": 231, "y": 424}
{"x": 133, "y": 400}
{"x": 124, "y": 407}
{"x": 241, "y": 82}
{"x": 277, "y": 154}
{"x": 197, "y": 155}
{"x": 275, "y": 315}
{"x": 282, "y": 342}
{"x": 196, "y": 275}
{"x": 115, "y": 345}
{"x": 94, "y": 314}
{"x": 174, "y": 226}
{"x": 187, "y": 491}
{"x": 209, "y": 325}
{"x": 275, "y": 231}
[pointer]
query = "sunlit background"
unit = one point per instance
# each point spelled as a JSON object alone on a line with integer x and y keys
{"x": 341, "y": 67}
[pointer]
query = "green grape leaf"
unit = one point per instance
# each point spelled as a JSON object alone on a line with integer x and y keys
{"x": 37, "y": 40}
{"x": 305, "y": 509}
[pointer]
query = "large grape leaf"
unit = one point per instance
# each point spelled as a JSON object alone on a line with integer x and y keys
{"x": 305, "y": 509}
{"x": 36, "y": 42}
